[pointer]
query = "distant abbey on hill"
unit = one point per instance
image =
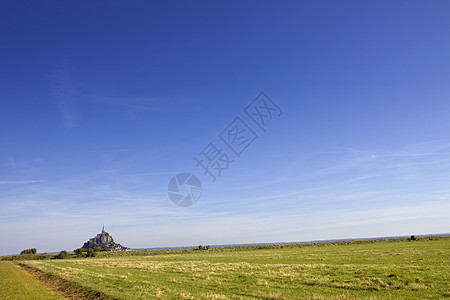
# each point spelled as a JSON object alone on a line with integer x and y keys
{"x": 104, "y": 240}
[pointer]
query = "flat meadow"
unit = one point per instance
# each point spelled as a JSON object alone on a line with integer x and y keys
{"x": 398, "y": 269}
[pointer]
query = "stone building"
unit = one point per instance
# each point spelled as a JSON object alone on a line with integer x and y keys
{"x": 104, "y": 240}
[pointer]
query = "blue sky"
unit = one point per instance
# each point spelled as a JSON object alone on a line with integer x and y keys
{"x": 103, "y": 103}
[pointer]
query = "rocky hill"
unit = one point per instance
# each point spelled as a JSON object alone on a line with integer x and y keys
{"x": 104, "y": 240}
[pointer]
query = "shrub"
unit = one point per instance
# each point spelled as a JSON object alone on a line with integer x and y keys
{"x": 63, "y": 254}
{"x": 90, "y": 253}
{"x": 28, "y": 251}
{"x": 80, "y": 252}
{"x": 200, "y": 247}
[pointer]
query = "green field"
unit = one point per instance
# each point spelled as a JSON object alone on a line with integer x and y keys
{"x": 17, "y": 284}
{"x": 385, "y": 270}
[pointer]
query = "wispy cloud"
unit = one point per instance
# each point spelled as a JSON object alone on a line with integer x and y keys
{"x": 111, "y": 150}
{"x": 370, "y": 189}
{"x": 65, "y": 98}
{"x": 13, "y": 164}
{"x": 21, "y": 181}
{"x": 125, "y": 102}
{"x": 70, "y": 100}
{"x": 174, "y": 172}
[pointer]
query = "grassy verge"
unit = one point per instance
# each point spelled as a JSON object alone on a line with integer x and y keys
{"x": 66, "y": 288}
{"x": 17, "y": 284}
{"x": 41, "y": 256}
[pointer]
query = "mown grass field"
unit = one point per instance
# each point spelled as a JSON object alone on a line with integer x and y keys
{"x": 394, "y": 270}
{"x": 17, "y": 284}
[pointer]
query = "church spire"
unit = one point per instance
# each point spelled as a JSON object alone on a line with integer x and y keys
{"x": 103, "y": 229}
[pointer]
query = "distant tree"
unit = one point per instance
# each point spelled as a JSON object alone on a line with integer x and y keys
{"x": 28, "y": 251}
{"x": 62, "y": 255}
{"x": 90, "y": 253}
{"x": 200, "y": 247}
{"x": 413, "y": 238}
{"x": 105, "y": 249}
{"x": 80, "y": 252}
